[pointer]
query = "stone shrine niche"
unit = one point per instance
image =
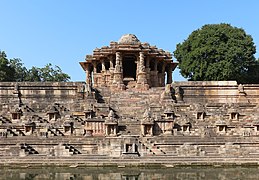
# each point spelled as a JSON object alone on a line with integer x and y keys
{"x": 221, "y": 127}
{"x": 128, "y": 64}
{"x": 233, "y": 112}
{"x": 29, "y": 127}
{"x": 234, "y": 115}
{"x": 68, "y": 127}
{"x": 16, "y": 114}
{"x": 200, "y": 115}
{"x": 89, "y": 114}
{"x": 111, "y": 125}
{"x": 53, "y": 113}
{"x": 147, "y": 124}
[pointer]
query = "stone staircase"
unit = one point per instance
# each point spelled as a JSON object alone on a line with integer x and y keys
{"x": 150, "y": 147}
{"x": 28, "y": 149}
{"x": 71, "y": 149}
{"x": 132, "y": 127}
{"x": 55, "y": 132}
{"x": 4, "y": 120}
{"x": 14, "y": 132}
{"x": 131, "y": 103}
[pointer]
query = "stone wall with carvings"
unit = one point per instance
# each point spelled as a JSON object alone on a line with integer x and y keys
{"x": 180, "y": 120}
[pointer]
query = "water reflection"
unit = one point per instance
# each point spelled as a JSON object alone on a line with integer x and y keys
{"x": 179, "y": 173}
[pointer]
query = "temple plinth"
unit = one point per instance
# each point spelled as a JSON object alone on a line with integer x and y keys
{"x": 129, "y": 63}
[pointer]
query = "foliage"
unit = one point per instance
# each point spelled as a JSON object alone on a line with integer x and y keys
{"x": 14, "y": 70}
{"x": 49, "y": 73}
{"x": 6, "y": 70}
{"x": 21, "y": 72}
{"x": 217, "y": 52}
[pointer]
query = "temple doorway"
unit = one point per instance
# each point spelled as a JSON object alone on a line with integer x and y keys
{"x": 129, "y": 69}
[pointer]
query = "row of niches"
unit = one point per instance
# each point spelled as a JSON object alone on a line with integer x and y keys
{"x": 102, "y": 128}
{"x": 60, "y": 121}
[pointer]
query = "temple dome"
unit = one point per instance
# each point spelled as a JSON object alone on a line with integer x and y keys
{"x": 128, "y": 39}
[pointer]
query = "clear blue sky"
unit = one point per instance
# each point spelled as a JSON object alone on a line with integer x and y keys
{"x": 62, "y": 32}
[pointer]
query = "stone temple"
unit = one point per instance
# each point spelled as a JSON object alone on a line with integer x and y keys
{"x": 129, "y": 63}
{"x": 127, "y": 113}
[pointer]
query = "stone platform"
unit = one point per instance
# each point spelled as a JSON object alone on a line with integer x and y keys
{"x": 184, "y": 123}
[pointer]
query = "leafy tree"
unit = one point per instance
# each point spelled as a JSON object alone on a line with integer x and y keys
{"x": 49, "y": 73}
{"x": 6, "y": 71}
{"x": 14, "y": 70}
{"x": 21, "y": 72}
{"x": 217, "y": 52}
{"x": 33, "y": 75}
{"x": 253, "y": 75}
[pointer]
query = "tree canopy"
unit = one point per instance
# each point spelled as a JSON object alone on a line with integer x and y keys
{"x": 14, "y": 70}
{"x": 218, "y": 52}
{"x": 6, "y": 71}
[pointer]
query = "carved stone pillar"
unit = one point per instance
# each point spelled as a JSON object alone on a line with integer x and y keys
{"x": 118, "y": 72}
{"x": 148, "y": 71}
{"x": 141, "y": 62}
{"x": 169, "y": 74}
{"x": 111, "y": 69}
{"x": 118, "y": 62}
{"x": 142, "y": 76}
{"x": 88, "y": 76}
{"x": 87, "y": 72}
{"x": 111, "y": 62}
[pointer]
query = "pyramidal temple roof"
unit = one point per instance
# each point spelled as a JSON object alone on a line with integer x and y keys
{"x": 129, "y": 39}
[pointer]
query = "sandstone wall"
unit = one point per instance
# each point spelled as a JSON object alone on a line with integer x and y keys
{"x": 218, "y": 92}
{"x": 40, "y": 94}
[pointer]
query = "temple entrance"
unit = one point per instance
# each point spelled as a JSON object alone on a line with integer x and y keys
{"x": 129, "y": 69}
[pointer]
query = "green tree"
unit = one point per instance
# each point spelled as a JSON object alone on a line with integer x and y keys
{"x": 217, "y": 52}
{"x": 21, "y": 72}
{"x": 14, "y": 70}
{"x": 33, "y": 75}
{"x": 49, "y": 73}
{"x": 6, "y": 70}
{"x": 253, "y": 75}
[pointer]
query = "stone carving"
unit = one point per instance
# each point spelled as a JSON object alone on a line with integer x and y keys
{"x": 167, "y": 93}
{"x": 141, "y": 62}
{"x": 16, "y": 88}
{"x": 147, "y": 114}
{"x": 111, "y": 115}
{"x": 118, "y": 65}
{"x": 81, "y": 88}
{"x": 88, "y": 90}
{"x": 178, "y": 94}
{"x": 241, "y": 90}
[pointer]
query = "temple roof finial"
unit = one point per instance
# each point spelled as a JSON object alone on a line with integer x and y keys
{"x": 129, "y": 39}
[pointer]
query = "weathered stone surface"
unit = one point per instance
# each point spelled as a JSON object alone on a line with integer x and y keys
{"x": 59, "y": 120}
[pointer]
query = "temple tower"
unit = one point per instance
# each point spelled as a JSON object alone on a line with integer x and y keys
{"x": 129, "y": 63}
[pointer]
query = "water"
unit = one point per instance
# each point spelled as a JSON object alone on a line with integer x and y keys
{"x": 86, "y": 173}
